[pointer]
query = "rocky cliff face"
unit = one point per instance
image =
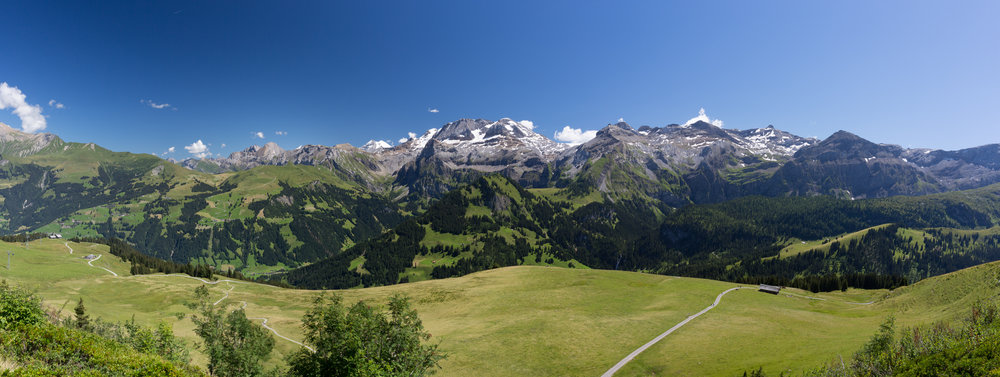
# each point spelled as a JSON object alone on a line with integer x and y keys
{"x": 15, "y": 143}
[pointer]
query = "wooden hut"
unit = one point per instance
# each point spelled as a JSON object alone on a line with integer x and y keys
{"x": 772, "y": 289}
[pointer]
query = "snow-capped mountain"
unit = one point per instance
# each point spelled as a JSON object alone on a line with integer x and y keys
{"x": 698, "y": 161}
{"x": 477, "y": 146}
{"x": 376, "y": 145}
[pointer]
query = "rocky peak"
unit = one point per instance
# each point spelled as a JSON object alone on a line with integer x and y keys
{"x": 18, "y": 143}
{"x": 463, "y": 130}
{"x": 376, "y": 145}
{"x": 845, "y": 145}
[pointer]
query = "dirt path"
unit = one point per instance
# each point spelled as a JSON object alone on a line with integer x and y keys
{"x": 227, "y": 294}
{"x": 231, "y": 287}
{"x": 635, "y": 353}
{"x": 91, "y": 263}
{"x": 68, "y": 247}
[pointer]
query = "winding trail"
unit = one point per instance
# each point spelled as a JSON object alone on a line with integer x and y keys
{"x": 244, "y": 306}
{"x": 264, "y": 323}
{"x": 227, "y": 294}
{"x": 90, "y": 262}
{"x": 718, "y": 298}
{"x": 635, "y": 353}
{"x": 209, "y": 282}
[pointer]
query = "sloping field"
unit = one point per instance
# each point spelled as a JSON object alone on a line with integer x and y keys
{"x": 537, "y": 320}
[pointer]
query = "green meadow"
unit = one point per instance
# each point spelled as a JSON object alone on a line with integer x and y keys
{"x": 533, "y": 320}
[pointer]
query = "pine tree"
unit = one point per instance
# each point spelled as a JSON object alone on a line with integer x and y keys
{"x": 82, "y": 319}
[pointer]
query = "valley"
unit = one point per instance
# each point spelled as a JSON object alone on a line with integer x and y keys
{"x": 516, "y": 188}
{"x": 540, "y": 320}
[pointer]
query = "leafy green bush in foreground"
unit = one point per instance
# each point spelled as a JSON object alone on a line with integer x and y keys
{"x": 31, "y": 346}
{"x": 968, "y": 348}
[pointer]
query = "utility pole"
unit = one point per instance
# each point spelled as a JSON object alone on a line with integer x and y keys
{"x": 9, "y": 254}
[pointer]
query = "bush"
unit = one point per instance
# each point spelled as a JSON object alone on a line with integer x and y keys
{"x": 18, "y": 307}
{"x": 364, "y": 341}
{"x": 44, "y": 349}
{"x": 40, "y": 348}
{"x": 969, "y": 348}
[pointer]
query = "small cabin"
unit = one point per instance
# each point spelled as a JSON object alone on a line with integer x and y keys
{"x": 766, "y": 288}
{"x": 90, "y": 257}
{"x": 55, "y": 235}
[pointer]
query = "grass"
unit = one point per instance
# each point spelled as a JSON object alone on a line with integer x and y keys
{"x": 798, "y": 246}
{"x": 540, "y": 320}
{"x": 434, "y": 238}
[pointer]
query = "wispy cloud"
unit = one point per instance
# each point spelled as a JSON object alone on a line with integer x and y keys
{"x": 433, "y": 110}
{"x": 575, "y": 136}
{"x": 56, "y": 104}
{"x": 158, "y": 106}
{"x": 198, "y": 149}
{"x": 258, "y": 134}
{"x": 223, "y": 145}
{"x": 281, "y": 133}
{"x": 31, "y": 116}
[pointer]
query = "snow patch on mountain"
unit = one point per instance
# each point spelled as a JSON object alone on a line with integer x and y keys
{"x": 376, "y": 145}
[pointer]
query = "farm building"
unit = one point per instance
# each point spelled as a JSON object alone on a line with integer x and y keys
{"x": 772, "y": 289}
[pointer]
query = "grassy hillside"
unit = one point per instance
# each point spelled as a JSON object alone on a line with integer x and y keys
{"x": 538, "y": 320}
{"x": 258, "y": 220}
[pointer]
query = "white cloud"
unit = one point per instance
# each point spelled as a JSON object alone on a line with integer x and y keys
{"x": 527, "y": 124}
{"x": 410, "y": 135}
{"x": 55, "y": 104}
{"x": 281, "y": 133}
{"x": 259, "y": 135}
{"x": 198, "y": 149}
{"x": 157, "y": 106}
{"x": 621, "y": 120}
{"x": 223, "y": 145}
{"x": 171, "y": 149}
{"x": 430, "y": 110}
{"x": 704, "y": 118}
{"x": 31, "y": 116}
{"x": 575, "y": 136}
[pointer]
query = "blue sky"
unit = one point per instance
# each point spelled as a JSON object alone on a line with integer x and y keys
{"x": 919, "y": 74}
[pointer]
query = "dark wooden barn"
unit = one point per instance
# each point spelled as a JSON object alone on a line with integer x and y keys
{"x": 772, "y": 289}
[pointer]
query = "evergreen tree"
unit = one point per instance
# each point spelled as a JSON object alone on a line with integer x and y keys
{"x": 82, "y": 319}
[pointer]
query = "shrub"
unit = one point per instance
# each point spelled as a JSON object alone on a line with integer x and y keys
{"x": 18, "y": 307}
{"x": 364, "y": 341}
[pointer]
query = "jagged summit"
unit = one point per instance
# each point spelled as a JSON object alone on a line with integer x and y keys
{"x": 676, "y": 162}
{"x": 376, "y": 145}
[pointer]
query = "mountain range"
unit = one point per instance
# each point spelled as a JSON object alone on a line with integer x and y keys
{"x": 450, "y": 194}
{"x": 696, "y": 162}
